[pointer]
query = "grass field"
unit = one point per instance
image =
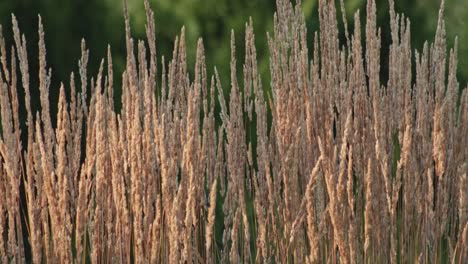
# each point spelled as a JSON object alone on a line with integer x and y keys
{"x": 333, "y": 161}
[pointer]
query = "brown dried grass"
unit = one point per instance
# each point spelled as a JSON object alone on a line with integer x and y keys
{"x": 169, "y": 179}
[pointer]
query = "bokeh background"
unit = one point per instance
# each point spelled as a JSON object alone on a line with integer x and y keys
{"x": 101, "y": 23}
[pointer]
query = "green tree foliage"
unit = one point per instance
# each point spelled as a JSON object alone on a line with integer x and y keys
{"x": 66, "y": 23}
{"x": 101, "y": 23}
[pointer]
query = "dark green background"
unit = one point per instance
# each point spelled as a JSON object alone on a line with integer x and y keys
{"x": 101, "y": 23}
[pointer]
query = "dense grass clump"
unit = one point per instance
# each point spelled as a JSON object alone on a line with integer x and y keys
{"x": 326, "y": 164}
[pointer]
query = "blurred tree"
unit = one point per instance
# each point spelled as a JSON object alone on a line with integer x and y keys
{"x": 212, "y": 20}
{"x": 101, "y": 22}
{"x": 65, "y": 24}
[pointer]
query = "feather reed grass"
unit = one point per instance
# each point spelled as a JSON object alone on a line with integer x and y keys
{"x": 342, "y": 167}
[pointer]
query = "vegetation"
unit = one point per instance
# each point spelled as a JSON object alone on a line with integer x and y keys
{"x": 335, "y": 161}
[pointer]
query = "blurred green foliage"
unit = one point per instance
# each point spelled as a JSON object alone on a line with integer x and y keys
{"x": 101, "y": 23}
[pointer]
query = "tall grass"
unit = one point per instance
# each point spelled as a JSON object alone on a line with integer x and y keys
{"x": 326, "y": 164}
